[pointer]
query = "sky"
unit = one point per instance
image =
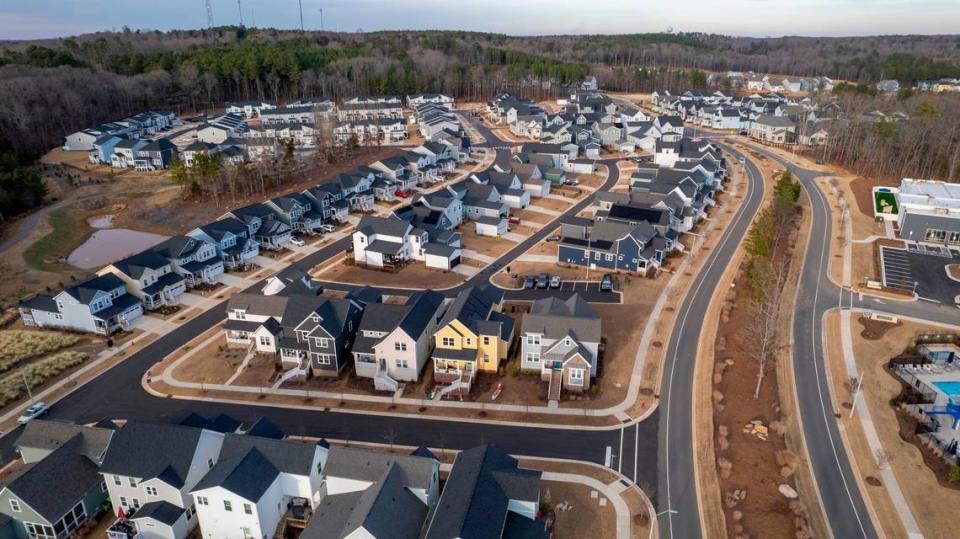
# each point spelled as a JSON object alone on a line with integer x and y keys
{"x": 32, "y": 19}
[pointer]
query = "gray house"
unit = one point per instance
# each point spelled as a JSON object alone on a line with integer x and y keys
{"x": 394, "y": 341}
{"x": 99, "y": 305}
{"x": 150, "y": 277}
{"x": 488, "y": 495}
{"x": 232, "y": 241}
{"x": 192, "y": 258}
{"x": 561, "y": 341}
{"x": 60, "y": 487}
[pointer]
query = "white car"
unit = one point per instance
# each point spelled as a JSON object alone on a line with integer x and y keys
{"x": 326, "y": 229}
{"x": 956, "y": 300}
{"x": 297, "y": 241}
{"x": 32, "y": 412}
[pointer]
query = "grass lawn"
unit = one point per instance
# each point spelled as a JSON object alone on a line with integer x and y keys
{"x": 879, "y": 198}
{"x": 68, "y": 232}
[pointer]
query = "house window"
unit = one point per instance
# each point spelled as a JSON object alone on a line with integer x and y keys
{"x": 533, "y": 357}
{"x": 136, "y": 503}
{"x": 15, "y": 505}
{"x": 123, "y": 501}
{"x": 400, "y": 346}
{"x": 151, "y": 491}
{"x": 103, "y": 486}
{"x": 324, "y": 359}
{"x": 609, "y": 257}
{"x": 533, "y": 339}
{"x": 265, "y": 341}
{"x": 39, "y": 531}
{"x": 401, "y": 363}
{"x": 576, "y": 377}
{"x": 240, "y": 315}
{"x": 227, "y": 506}
{"x": 132, "y": 481}
{"x": 247, "y": 509}
{"x": 210, "y": 463}
{"x": 469, "y": 341}
{"x": 116, "y": 480}
{"x": 448, "y": 341}
{"x": 202, "y": 500}
{"x": 486, "y": 340}
{"x": 321, "y": 342}
{"x": 596, "y": 256}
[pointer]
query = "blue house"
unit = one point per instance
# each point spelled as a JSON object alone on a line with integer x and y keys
{"x": 611, "y": 245}
{"x": 103, "y": 149}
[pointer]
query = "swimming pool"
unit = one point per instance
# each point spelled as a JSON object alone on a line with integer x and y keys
{"x": 952, "y": 389}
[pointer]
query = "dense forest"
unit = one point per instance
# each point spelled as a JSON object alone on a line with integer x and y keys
{"x": 52, "y": 87}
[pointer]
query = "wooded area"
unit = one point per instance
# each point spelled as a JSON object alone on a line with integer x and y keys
{"x": 51, "y": 87}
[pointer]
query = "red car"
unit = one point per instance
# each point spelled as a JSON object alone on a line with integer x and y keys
{"x": 402, "y": 194}
{"x": 514, "y": 220}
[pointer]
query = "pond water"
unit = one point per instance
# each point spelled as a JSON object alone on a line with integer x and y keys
{"x": 107, "y": 246}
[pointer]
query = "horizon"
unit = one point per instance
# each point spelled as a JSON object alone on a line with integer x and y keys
{"x": 26, "y": 20}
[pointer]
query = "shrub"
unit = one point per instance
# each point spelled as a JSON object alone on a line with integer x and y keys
{"x": 11, "y": 386}
{"x": 953, "y": 475}
{"x": 17, "y": 346}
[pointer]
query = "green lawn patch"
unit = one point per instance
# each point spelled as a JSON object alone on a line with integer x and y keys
{"x": 67, "y": 233}
{"x": 882, "y": 200}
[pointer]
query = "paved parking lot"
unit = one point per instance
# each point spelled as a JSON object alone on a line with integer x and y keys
{"x": 589, "y": 291}
{"x": 923, "y": 268}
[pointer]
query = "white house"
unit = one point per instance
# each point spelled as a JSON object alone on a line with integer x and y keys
{"x": 98, "y": 305}
{"x": 149, "y": 277}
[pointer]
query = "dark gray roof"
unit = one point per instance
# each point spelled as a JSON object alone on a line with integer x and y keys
{"x": 222, "y": 423}
{"x": 389, "y": 226}
{"x": 264, "y": 428}
{"x": 248, "y": 474}
{"x": 163, "y": 512}
{"x": 475, "y": 499}
{"x": 294, "y": 458}
{"x": 368, "y": 465}
{"x": 136, "y": 265}
{"x": 49, "y": 435}
{"x": 555, "y": 319}
{"x": 52, "y": 486}
{"x": 148, "y": 450}
{"x": 472, "y": 304}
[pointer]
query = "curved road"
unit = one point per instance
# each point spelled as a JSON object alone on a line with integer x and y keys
{"x": 117, "y": 393}
{"x": 846, "y": 512}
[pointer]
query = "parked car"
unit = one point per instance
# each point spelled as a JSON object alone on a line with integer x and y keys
{"x": 514, "y": 220}
{"x": 555, "y": 281}
{"x": 606, "y": 283}
{"x": 553, "y": 238}
{"x": 401, "y": 193}
{"x": 529, "y": 282}
{"x": 33, "y": 412}
{"x": 744, "y": 133}
{"x": 297, "y": 241}
{"x": 543, "y": 280}
{"x": 571, "y": 182}
{"x": 956, "y": 300}
{"x": 326, "y": 229}
{"x": 743, "y": 159}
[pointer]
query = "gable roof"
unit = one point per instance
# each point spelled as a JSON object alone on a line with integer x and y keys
{"x": 248, "y": 474}
{"x": 149, "y": 450}
{"x": 472, "y": 304}
{"x": 474, "y": 503}
{"x": 52, "y": 486}
{"x": 49, "y": 435}
{"x": 555, "y": 319}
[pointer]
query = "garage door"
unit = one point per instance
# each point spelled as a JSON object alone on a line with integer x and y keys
{"x": 454, "y": 262}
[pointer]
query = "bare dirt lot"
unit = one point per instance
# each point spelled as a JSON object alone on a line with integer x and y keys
{"x": 484, "y": 245}
{"x": 413, "y": 276}
{"x": 577, "y": 513}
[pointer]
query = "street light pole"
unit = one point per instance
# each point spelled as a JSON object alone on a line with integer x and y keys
{"x": 26, "y": 385}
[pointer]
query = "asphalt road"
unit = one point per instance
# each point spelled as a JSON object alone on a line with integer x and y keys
{"x": 841, "y": 498}
{"x": 676, "y": 483}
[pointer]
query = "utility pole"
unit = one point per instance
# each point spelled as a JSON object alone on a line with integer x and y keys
{"x": 301, "y": 14}
{"x": 209, "y": 14}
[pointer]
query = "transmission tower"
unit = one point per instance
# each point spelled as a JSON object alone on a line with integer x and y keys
{"x": 301, "y": 15}
{"x": 209, "y": 14}
{"x": 240, "y": 9}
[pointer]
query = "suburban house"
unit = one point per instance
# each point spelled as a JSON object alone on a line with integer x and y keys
{"x": 311, "y": 333}
{"x": 473, "y": 336}
{"x": 288, "y": 115}
{"x": 150, "y": 278}
{"x": 125, "y": 152}
{"x": 263, "y": 225}
{"x": 610, "y": 245}
{"x": 386, "y": 242}
{"x": 249, "y": 109}
{"x": 441, "y": 100}
{"x": 561, "y": 342}
{"x": 155, "y": 155}
{"x": 231, "y": 238}
{"x": 149, "y": 470}
{"x": 929, "y": 211}
{"x": 375, "y": 495}
{"x": 296, "y": 211}
{"x": 258, "y": 486}
{"x": 774, "y": 129}
{"x": 513, "y": 191}
{"x": 59, "y": 487}
{"x": 394, "y": 341}
{"x": 99, "y": 305}
{"x": 488, "y": 495}
{"x": 194, "y": 259}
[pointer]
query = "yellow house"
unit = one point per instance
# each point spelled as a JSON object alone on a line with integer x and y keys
{"x": 473, "y": 336}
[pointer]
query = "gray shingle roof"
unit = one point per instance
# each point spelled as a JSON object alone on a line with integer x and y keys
{"x": 475, "y": 499}
{"x": 49, "y": 435}
{"x": 248, "y": 474}
{"x": 148, "y": 450}
{"x": 163, "y": 512}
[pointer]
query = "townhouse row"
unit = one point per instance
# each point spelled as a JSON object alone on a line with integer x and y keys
{"x": 216, "y": 478}
{"x": 391, "y": 343}
{"x": 157, "y": 277}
